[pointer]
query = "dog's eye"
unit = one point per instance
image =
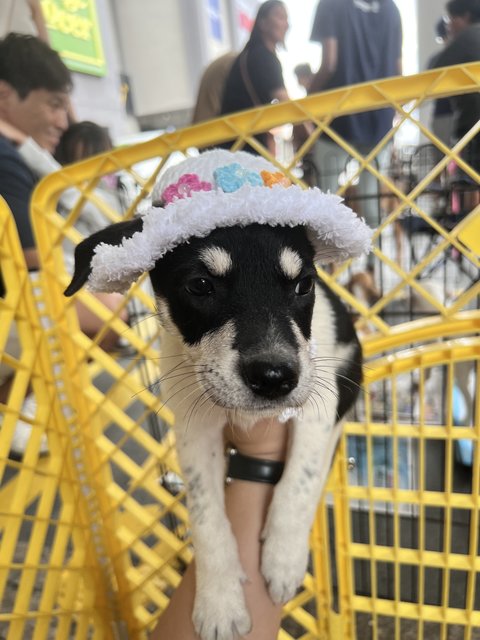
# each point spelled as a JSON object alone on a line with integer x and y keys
{"x": 199, "y": 287}
{"x": 304, "y": 286}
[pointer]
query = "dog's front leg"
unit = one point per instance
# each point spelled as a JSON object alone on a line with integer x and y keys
{"x": 220, "y": 612}
{"x": 291, "y": 513}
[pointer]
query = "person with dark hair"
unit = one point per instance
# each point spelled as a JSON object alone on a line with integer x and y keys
{"x": 34, "y": 101}
{"x": 34, "y": 90}
{"x": 256, "y": 77}
{"x": 462, "y": 14}
{"x": 82, "y": 140}
{"x": 464, "y": 47}
{"x": 361, "y": 42}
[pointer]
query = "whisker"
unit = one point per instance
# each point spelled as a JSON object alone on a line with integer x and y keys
{"x": 334, "y": 358}
{"x": 139, "y": 320}
{"x": 316, "y": 392}
{"x": 326, "y": 384}
{"x": 314, "y": 404}
{"x": 157, "y": 383}
{"x": 184, "y": 376}
{"x": 209, "y": 408}
{"x": 313, "y": 391}
{"x": 165, "y": 402}
{"x": 361, "y": 387}
{"x": 191, "y": 410}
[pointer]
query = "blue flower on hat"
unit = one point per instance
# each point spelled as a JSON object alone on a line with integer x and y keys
{"x": 233, "y": 176}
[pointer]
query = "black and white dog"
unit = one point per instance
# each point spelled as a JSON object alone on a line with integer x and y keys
{"x": 250, "y": 332}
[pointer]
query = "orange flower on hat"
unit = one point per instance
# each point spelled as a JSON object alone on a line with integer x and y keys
{"x": 269, "y": 178}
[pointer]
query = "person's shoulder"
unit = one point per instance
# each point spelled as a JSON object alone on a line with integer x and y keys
{"x": 333, "y": 4}
{"x": 259, "y": 47}
{"x": 391, "y": 9}
{"x": 6, "y": 146}
{"x": 327, "y": 6}
{"x": 258, "y": 53}
{"x": 9, "y": 153}
{"x": 391, "y": 5}
{"x": 329, "y": 15}
{"x": 11, "y": 161}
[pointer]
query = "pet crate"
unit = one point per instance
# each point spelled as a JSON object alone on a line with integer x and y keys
{"x": 94, "y": 533}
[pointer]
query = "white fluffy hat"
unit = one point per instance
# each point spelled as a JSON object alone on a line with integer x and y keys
{"x": 222, "y": 189}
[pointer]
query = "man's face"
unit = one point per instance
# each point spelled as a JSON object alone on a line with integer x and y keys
{"x": 458, "y": 23}
{"x": 42, "y": 115}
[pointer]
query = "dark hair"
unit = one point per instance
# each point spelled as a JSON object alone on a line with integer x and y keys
{"x": 458, "y": 8}
{"x": 82, "y": 140}
{"x": 28, "y": 63}
{"x": 303, "y": 69}
{"x": 263, "y": 12}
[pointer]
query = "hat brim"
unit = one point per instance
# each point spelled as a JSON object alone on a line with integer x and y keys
{"x": 335, "y": 231}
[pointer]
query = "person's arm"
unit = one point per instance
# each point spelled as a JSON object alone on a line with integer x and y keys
{"x": 246, "y": 504}
{"x": 280, "y": 94}
{"x": 39, "y": 20}
{"x": 327, "y": 67}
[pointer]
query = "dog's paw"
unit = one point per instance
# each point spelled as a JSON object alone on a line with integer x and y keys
{"x": 220, "y": 612}
{"x": 284, "y": 562}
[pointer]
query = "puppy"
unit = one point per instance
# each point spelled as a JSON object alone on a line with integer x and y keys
{"x": 250, "y": 332}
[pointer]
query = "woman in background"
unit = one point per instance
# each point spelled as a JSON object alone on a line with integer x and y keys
{"x": 463, "y": 47}
{"x": 80, "y": 141}
{"x": 256, "y": 77}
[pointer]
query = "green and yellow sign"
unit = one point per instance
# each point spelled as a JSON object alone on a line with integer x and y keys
{"x": 74, "y": 32}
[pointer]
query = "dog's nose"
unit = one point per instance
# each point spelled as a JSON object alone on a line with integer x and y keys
{"x": 270, "y": 380}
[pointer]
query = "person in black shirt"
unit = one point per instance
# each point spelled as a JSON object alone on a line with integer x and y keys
{"x": 256, "y": 78}
{"x": 464, "y": 47}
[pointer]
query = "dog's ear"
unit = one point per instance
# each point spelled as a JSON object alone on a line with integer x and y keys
{"x": 84, "y": 252}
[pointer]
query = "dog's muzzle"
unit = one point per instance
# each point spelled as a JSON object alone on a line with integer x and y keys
{"x": 269, "y": 379}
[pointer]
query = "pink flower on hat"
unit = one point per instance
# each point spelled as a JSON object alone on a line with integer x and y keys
{"x": 186, "y": 185}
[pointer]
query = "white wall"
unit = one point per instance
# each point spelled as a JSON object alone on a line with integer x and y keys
{"x": 100, "y": 98}
{"x": 429, "y": 12}
{"x": 156, "y": 47}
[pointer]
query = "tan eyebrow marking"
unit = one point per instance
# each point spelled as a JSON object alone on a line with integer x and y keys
{"x": 217, "y": 260}
{"x": 290, "y": 262}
